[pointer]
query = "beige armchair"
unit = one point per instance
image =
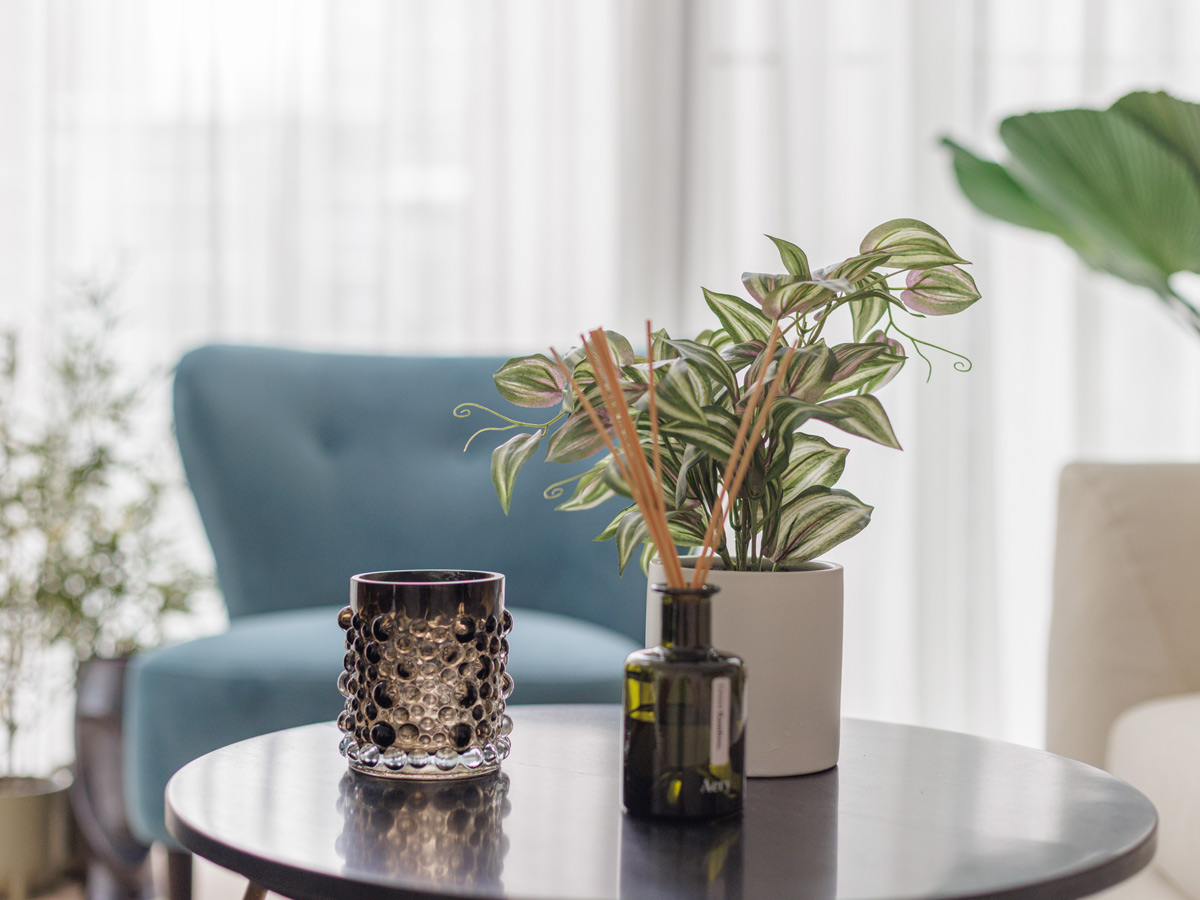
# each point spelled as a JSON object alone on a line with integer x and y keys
{"x": 1124, "y": 660}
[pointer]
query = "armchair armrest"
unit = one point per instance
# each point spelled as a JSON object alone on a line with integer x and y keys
{"x": 1155, "y": 746}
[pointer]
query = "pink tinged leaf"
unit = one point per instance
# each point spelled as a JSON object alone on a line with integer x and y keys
{"x": 851, "y": 356}
{"x": 577, "y": 438}
{"x": 759, "y": 285}
{"x": 531, "y": 381}
{"x": 910, "y": 242}
{"x": 800, "y": 297}
{"x": 621, "y": 348}
{"x": 939, "y": 292}
{"x": 894, "y": 346}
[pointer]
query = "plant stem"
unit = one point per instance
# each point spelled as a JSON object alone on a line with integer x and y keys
{"x": 1182, "y": 308}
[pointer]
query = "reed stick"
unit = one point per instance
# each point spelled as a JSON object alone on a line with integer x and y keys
{"x": 646, "y": 484}
{"x": 648, "y": 499}
{"x": 704, "y": 563}
{"x": 712, "y": 535}
{"x": 592, "y": 415}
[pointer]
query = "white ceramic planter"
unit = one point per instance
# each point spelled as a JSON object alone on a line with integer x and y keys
{"x": 787, "y": 628}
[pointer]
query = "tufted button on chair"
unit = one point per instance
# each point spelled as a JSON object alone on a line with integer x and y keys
{"x": 308, "y": 468}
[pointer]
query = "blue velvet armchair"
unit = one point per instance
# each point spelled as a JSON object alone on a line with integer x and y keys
{"x": 308, "y": 468}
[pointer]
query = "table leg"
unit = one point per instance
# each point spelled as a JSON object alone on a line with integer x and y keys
{"x": 254, "y": 892}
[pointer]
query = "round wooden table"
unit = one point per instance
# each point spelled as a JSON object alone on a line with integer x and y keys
{"x": 908, "y": 812}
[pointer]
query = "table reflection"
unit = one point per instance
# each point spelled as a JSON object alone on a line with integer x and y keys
{"x": 772, "y": 850}
{"x": 450, "y": 833}
{"x": 792, "y": 848}
{"x": 692, "y": 859}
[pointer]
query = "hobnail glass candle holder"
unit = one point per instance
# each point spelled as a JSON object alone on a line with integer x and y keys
{"x": 425, "y": 681}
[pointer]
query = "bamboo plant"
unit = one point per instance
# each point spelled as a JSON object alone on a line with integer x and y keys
{"x": 789, "y": 509}
{"x": 86, "y": 561}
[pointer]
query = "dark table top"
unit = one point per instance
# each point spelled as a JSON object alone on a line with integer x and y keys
{"x": 909, "y": 812}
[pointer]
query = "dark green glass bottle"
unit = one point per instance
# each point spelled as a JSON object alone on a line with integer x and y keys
{"x": 685, "y": 717}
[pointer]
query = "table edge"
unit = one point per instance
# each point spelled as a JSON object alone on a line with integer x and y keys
{"x": 305, "y": 884}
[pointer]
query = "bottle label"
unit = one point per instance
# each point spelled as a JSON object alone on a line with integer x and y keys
{"x": 719, "y": 726}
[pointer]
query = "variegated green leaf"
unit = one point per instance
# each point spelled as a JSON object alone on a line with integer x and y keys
{"x": 610, "y": 530}
{"x": 865, "y": 313}
{"x": 590, "y": 489}
{"x": 575, "y": 439}
{"x": 759, "y": 285}
{"x": 681, "y": 393}
{"x": 939, "y": 292}
{"x": 532, "y": 381}
{"x": 573, "y": 358}
{"x": 799, "y": 297}
{"x": 862, "y": 416}
{"x": 886, "y": 366}
{"x": 692, "y": 454}
{"x": 631, "y": 532}
{"x": 649, "y": 554}
{"x": 507, "y": 460}
{"x": 622, "y": 350}
{"x": 716, "y": 338}
{"x": 851, "y": 356}
{"x": 662, "y": 349}
{"x": 788, "y": 414}
{"x": 868, "y": 377}
{"x": 686, "y": 527}
{"x": 741, "y": 320}
{"x": 817, "y": 521}
{"x": 709, "y": 361}
{"x": 858, "y": 267}
{"x": 794, "y": 259}
{"x": 814, "y": 462}
{"x": 738, "y": 356}
{"x": 614, "y": 481}
{"x": 714, "y": 435}
{"x": 811, "y": 372}
{"x": 911, "y": 243}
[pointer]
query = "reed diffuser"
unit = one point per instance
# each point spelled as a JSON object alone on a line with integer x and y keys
{"x": 684, "y": 701}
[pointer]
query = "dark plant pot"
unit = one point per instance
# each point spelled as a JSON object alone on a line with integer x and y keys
{"x": 117, "y": 867}
{"x": 35, "y": 832}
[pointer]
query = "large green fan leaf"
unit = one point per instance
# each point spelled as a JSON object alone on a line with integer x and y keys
{"x": 1174, "y": 123}
{"x": 1126, "y": 194}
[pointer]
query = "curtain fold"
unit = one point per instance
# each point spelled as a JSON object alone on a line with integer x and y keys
{"x": 417, "y": 176}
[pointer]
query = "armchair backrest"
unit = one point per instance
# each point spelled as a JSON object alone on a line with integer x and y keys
{"x": 1126, "y": 619}
{"x": 310, "y": 467}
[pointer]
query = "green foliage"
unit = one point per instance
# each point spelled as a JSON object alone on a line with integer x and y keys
{"x": 789, "y": 510}
{"x": 84, "y": 561}
{"x": 1120, "y": 186}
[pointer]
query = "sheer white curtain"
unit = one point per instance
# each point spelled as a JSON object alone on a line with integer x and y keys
{"x": 459, "y": 176}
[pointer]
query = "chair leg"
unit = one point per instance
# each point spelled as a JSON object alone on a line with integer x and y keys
{"x": 179, "y": 875}
{"x": 254, "y": 892}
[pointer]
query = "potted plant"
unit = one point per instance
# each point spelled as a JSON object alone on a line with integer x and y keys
{"x": 1119, "y": 186}
{"x": 87, "y": 572}
{"x": 779, "y": 608}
